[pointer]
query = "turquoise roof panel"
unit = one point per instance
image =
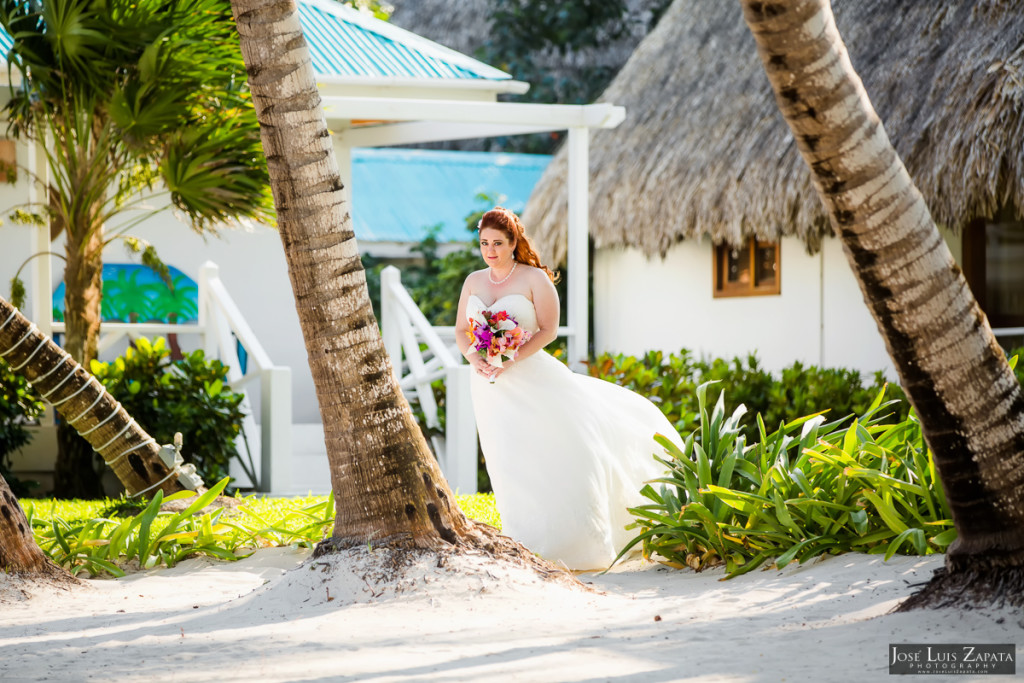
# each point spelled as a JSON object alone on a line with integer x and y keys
{"x": 344, "y": 42}
{"x": 397, "y": 194}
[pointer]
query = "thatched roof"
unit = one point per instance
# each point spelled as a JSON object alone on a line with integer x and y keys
{"x": 704, "y": 150}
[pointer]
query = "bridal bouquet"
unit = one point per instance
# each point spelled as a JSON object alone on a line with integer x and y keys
{"x": 496, "y": 335}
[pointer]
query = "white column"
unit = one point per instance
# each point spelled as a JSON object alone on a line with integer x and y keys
{"x": 207, "y": 272}
{"x": 390, "y": 325}
{"x": 276, "y": 430}
{"x": 578, "y": 259}
{"x": 460, "y": 431}
{"x": 343, "y": 155}
{"x": 42, "y": 275}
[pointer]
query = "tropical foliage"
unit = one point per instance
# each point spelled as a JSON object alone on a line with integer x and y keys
{"x": 19, "y": 406}
{"x": 108, "y": 537}
{"x": 533, "y": 41}
{"x": 190, "y": 396}
{"x": 809, "y": 488}
{"x": 671, "y": 382}
{"x": 133, "y": 100}
{"x": 135, "y": 103}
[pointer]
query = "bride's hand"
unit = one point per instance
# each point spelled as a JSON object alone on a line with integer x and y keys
{"x": 481, "y": 366}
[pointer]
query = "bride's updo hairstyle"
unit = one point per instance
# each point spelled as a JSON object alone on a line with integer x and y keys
{"x": 500, "y": 218}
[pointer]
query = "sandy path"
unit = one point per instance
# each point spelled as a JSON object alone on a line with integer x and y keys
{"x": 359, "y": 618}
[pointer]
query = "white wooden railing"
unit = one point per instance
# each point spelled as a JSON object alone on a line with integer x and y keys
{"x": 220, "y": 325}
{"x": 406, "y": 332}
{"x": 1008, "y": 331}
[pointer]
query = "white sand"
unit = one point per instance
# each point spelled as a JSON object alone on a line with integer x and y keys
{"x": 277, "y": 616}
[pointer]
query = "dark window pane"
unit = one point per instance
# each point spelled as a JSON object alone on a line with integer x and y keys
{"x": 766, "y": 265}
{"x": 738, "y": 265}
{"x": 1004, "y": 273}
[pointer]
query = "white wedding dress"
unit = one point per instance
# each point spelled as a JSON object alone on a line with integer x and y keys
{"x": 566, "y": 453}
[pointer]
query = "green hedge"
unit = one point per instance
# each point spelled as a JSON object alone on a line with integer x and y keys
{"x": 671, "y": 383}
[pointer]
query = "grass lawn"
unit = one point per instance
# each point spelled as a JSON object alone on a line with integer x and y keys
{"x": 277, "y": 512}
{"x": 107, "y": 536}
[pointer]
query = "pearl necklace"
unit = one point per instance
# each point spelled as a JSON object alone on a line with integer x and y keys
{"x": 502, "y": 280}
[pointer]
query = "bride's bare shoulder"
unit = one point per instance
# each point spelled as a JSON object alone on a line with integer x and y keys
{"x": 532, "y": 271}
{"x": 538, "y": 277}
{"x": 474, "y": 281}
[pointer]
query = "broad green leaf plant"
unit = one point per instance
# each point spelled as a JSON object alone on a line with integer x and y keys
{"x": 809, "y": 488}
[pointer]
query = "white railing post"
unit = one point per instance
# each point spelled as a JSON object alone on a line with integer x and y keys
{"x": 460, "y": 431}
{"x": 42, "y": 267}
{"x": 207, "y": 273}
{"x": 275, "y": 429}
{"x": 390, "y": 328}
{"x": 404, "y": 329}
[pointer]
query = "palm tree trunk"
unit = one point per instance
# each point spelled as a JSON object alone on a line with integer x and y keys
{"x": 18, "y": 550}
{"x": 83, "y": 293}
{"x": 386, "y": 482}
{"x": 75, "y": 474}
{"x": 970, "y": 405}
{"x": 84, "y": 404}
{"x": 387, "y": 486}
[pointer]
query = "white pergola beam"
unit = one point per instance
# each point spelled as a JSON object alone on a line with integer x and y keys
{"x": 414, "y": 132}
{"x": 552, "y": 116}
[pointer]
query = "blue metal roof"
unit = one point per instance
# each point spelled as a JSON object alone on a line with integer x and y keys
{"x": 345, "y": 42}
{"x": 398, "y": 193}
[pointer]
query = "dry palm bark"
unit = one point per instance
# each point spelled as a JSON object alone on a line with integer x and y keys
{"x": 18, "y": 550}
{"x": 388, "y": 488}
{"x": 84, "y": 404}
{"x": 970, "y": 405}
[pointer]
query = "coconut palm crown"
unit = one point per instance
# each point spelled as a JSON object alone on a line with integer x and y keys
{"x": 131, "y": 100}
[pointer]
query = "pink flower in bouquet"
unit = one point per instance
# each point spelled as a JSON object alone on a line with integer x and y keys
{"x": 496, "y": 336}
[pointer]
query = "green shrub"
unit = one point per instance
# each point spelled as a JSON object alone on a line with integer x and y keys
{"x": 806, "y": 489}
{"x": 19, "y": 406}
{"x": 671, "y": 383}
{"x": 190, "y": 396}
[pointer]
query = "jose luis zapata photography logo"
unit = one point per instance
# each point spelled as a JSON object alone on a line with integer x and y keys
{"x": 908, "y": 658}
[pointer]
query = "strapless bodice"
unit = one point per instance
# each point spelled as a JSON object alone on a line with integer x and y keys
{"x": 516, "y": 305}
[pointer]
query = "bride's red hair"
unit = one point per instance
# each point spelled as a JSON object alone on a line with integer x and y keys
{"x": 500, "y": 218}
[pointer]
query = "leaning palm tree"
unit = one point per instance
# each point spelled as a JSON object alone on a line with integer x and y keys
{"x": 89, "y": 409}
{"x": 388, "y": 488}
{"x": 970, "y": 405}
{"x": 129, "y": 99}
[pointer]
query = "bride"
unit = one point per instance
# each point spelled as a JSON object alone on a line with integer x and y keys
{"x": 566, "y": 453}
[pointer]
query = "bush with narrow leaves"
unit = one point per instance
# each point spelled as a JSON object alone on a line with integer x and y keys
{"x": 806, "y": 489}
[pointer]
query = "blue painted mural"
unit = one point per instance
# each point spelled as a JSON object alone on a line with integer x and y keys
{"x": 133, "y": 293}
